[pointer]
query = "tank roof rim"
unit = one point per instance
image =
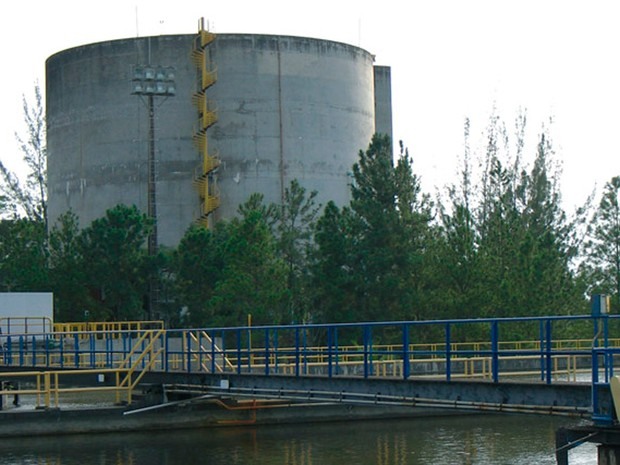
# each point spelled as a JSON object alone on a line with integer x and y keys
{"x": 223, "y": 34}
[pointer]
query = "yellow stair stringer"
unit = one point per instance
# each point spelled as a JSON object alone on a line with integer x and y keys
{"x": 203, "y": 350}
{"x": 149, "y": 349}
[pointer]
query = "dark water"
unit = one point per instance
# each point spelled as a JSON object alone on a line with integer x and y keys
{"x": 473, "y": 439}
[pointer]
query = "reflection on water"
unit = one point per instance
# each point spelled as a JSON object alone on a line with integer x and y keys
{"x": 462, "y": 440}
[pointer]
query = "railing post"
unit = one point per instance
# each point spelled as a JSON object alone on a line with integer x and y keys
{"x": 595, "y": 406}
{"x": 166, "y": 354}
{"x": 188, "y": 351}
{"x": 46, "y": 340}
{"x": 76, "y": 349}
{"x": 367, "y": 351}
{"x": 125, "y": 350}
{"x": 405, "y": 351}
{"x": 117, "y": 380}
{"x": 93, "y": 350}
{"x": 201, "y": 355}
{"x": 61, "y": 350}
{"x": 494, "y": 351}
{"x": 609, "y": 365}
{"x": 222, "y": 351}
{"x": 147, "y": 335}
{"x": 297, "y": 351}
{"x": 213, "y": 353}
{"x": 56, "y": 389}
{"x": 9, "y": 351}
{"x": 267, "y": 352}
{"x": 275, "y": 350}
{"x": 336, "y": 351}
{"x": 46, "y": 377}
{"x": 250, "y": 361}
{"x": 39, "y": 392}
{"x": 34, "y": 352}
{"x": 329, "y": 352}
{"x": 448, "y": 353}
{"x": 548, "y": 351}
{"x": 108, "y": 350}
{"x": 21, "y": 351}
{"x": 305, "y": 351}
{"x": 541, "y": 343}
{"x": 239, "y": 351}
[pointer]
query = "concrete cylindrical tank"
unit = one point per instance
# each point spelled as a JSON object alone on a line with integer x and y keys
{"x": 288, "y": 108}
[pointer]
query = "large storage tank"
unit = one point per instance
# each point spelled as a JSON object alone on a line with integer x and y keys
{"x": 287, "y": 108}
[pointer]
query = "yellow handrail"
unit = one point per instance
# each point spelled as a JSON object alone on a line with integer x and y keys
{"x": 106, "y": 326}
{"x": 217, "y": 350}
{"x": 48, "y": 384}
{"x": 154, "y": 336}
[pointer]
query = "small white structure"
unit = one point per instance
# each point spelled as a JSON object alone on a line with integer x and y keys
{"x": 26, "y": 312}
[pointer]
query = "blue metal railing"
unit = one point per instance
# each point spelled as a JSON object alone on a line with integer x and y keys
{"x": 352, "y": 349}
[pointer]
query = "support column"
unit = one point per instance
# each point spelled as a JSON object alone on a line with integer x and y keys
{"x": 608, "y": 455}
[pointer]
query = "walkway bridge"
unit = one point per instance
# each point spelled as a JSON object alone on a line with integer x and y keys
{"x": 513, "y": 365}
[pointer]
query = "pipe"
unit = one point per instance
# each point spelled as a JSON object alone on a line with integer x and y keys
{"x": 576, "y": 442}
{"x": 375, "y": 399}
{"x": 167, "y": 404}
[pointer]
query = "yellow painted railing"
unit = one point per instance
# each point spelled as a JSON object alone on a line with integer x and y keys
{"x": 197, "y": 337}
{"x": 564, "y": 367}
{"x": 114, "y": 327}
{"x": 148, "y": 355}
{"x": 387, "y": 359}
{"x": 47, "y": 386}
{"x": 353, "y": 353}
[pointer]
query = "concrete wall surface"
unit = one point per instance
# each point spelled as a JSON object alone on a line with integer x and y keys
{"x": 288, "y": 108}
{"x": 26, "y": 312}
{"x": 383, "y": 100}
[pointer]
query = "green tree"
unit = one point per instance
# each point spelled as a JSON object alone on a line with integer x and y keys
{"x": 545, "y": 252}
{"x": 385, "y": 233}
{"x": 294, "y": 226}
{"x": 458, "y": 272}
{"x": 116, "y": 265}
{"x": 603, "y": 245}
{"x": 506, "y": 246}
{"x": 68, "y": 270}
{"x": 334, "y": 294}
{"x": 498, "y": 222}
{"x": 197, "y": 265}
{"x": 28, "y": 199}
{"x": 23, "y": 256}
{"x": 252, "y": 273}
{"x": 524, "y": 243}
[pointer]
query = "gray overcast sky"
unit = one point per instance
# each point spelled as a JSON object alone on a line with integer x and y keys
{"x": 450, "y": 59}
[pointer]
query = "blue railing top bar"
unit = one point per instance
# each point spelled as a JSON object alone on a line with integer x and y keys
{"x": 380, "y": 324}
{"x": 377, "y": 324}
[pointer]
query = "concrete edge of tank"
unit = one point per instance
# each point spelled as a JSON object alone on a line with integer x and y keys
{"x": 223, "y": 35}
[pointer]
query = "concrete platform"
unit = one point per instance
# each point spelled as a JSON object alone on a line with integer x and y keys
{"x": 204, "y": 413}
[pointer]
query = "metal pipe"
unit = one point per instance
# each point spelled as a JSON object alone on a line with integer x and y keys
{"x": 167, "y": 404}
{"x": 377, "y": 399}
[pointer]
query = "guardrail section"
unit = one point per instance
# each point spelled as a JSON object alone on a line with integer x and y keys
{"x": 539, "y": 349}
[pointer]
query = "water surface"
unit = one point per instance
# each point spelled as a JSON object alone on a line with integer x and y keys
{"x": 452, "y": 440}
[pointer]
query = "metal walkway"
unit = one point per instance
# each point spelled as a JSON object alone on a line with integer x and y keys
{"x": 396, "y": 363}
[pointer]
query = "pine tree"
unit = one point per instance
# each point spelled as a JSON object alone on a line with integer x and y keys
{"x": 28, "y": 198}
{"x": 603, "y": 246}
{"x": 67, "y": 274}
{"x": 116, "y": 262}
{"x": 388, "y": 232}
{"x": 294, "y": 227}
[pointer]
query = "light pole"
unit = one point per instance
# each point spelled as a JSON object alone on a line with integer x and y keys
{"x": 150, "y": 82}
